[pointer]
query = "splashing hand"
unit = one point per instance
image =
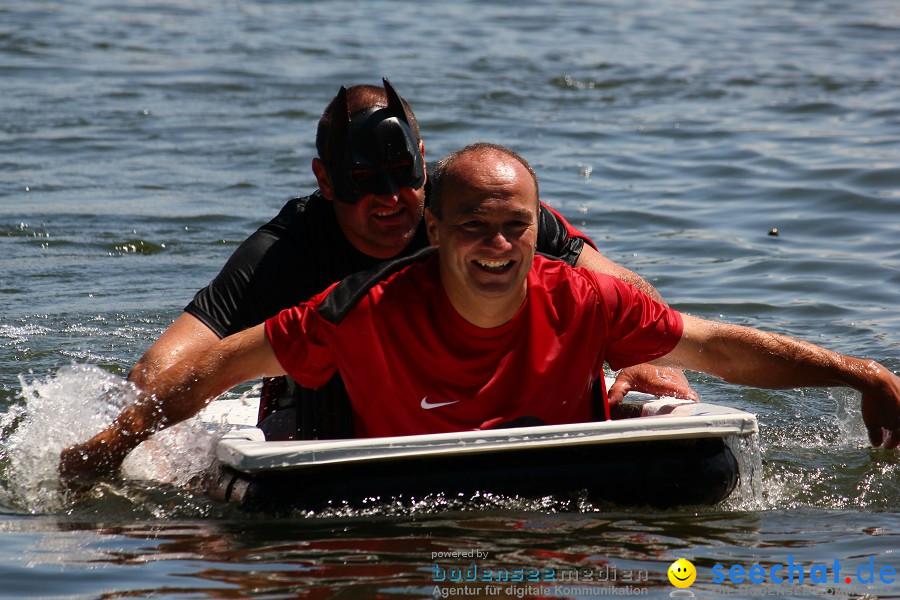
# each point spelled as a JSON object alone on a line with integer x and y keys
{"x": 881, "y": 410}
{"x": 82, "y": 465}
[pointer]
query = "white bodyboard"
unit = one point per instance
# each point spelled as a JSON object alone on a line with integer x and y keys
{"x": 246, "y": 450}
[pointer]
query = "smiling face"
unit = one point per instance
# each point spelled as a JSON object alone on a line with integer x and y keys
{"x": 486, "y": 235}
{"x": 682, "y": 573}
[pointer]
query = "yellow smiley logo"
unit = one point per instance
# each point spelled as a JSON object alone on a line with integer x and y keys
{"x": 682, "y": 573}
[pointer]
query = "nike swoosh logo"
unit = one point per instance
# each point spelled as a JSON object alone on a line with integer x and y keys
{"x": 429, "y": 405}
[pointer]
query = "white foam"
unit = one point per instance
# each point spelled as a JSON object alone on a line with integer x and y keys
{"x": 71, "y": 406}
{"x": 63, "y": 409}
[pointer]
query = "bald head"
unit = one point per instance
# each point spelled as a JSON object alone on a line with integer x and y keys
{"x": 482, "y": 158}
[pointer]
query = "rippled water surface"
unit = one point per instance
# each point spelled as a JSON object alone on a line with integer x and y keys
{"x": 140, "y": 142}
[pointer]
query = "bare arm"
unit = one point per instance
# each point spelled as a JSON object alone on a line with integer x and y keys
{"x": 185, "y": 336}
{"x": 657, "y": 380}
{"x": 174, "y": 396}
{"x": 752, "y": 357}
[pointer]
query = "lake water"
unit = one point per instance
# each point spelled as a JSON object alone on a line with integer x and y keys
{"x": 140, "y": 142}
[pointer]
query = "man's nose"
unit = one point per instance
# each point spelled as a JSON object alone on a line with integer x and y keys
{"x": 388, "y": 186}
{"x": 389, "y": 198}
{"x": 497, "y": 239}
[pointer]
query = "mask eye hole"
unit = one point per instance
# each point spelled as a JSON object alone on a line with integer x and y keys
{"x": 363, "y": 175}
{"x": 401, "y": 164}
{"x": 402, "y": 170}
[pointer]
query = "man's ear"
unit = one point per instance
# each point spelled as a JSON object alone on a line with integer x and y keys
{"x": 431, "y": 227}
{"x": 424, "y": 164}
{"x": 323, "y": 178}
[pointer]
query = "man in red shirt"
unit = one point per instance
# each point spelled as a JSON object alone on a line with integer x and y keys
{"x": 478, "y": 333}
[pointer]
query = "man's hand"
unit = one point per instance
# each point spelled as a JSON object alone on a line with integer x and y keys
{"x": 82, "y": 465}
{"x": 658, "y": 381}
{"x": 881, "y": 410}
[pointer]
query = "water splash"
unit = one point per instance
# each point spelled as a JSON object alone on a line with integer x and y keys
{"x": 822, "y": 458}
{"x": 748, "y": 495}
{"x": 70, "y": 407}
{"x": 59, "y": 411}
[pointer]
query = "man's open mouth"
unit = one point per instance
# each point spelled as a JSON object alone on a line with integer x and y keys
{"x": 388, "y": 212}
{"x": 494, "y": 266}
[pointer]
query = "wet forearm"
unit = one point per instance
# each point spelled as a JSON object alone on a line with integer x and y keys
{"x": 749, "y": 356}
{"x": 176, "y": 395}
{"x": 184, "y": 390}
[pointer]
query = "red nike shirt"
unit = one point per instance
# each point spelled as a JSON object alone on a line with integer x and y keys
{"x": 413, "y": 365}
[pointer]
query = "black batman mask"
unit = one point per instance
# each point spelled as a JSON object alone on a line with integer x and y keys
{"x": 374, "y": 150}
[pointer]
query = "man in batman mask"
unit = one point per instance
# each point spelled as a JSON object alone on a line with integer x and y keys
{"x": 372, "y": 167}
{"x": 369, "y": 208}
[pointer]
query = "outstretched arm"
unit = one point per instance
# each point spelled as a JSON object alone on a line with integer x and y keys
{"x": 650, "y": 379}
{"x": 174, "y": 396}
{"x": 752, "y": 357}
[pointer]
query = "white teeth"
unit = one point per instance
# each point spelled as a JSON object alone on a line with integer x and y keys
{"x": 493, "y": 264}
{"x": 387, "y": 213}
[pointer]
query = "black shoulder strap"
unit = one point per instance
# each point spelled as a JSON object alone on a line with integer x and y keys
{"x": 554, "y": 240}
{"x": 353, "y": 288}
